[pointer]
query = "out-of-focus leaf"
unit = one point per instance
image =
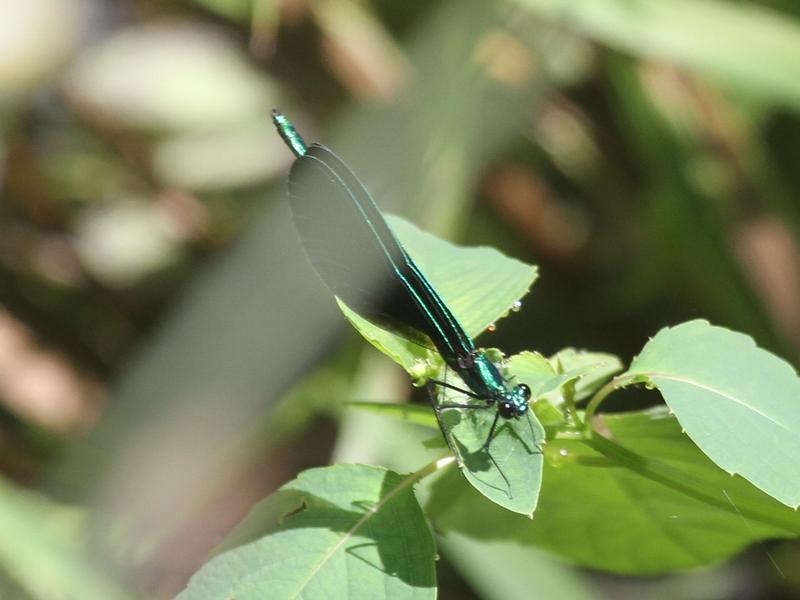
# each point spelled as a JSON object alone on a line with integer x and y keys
{"x": 500, "y": 570}
{"x": 41, "y": 550}
{"x": 36, "y": 36}
{"x": 752, "y": 48}
{"x": 222, "y": 158}
{"x": 169, "y": 77}
{"x": 346, "y": 531}
{"x": 597, "y": 513}
{"x": 122, "y": 243}
{"x": 740, "y": 404}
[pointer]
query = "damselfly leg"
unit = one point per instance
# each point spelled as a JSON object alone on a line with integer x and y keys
{"x": 438, "y": 407}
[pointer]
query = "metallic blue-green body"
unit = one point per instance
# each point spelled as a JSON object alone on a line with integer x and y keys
{"x": 357, "y": 256}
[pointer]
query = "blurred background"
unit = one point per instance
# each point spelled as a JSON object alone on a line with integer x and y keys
{"x": 167, "y": 355}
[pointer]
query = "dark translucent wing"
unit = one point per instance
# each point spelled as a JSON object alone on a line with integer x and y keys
{"x": 352, "y": 248}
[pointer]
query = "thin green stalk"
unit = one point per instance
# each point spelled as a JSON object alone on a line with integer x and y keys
{"x": 431, "y": 468}
{"x": 591, "y": 408}
{"x": 572, "y": 410}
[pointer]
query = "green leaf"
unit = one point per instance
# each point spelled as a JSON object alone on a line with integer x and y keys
{"x": 514, "y": 477}
{"x": 510, "y": 472}
{"x": 346, "y": 531}
{"x": 752, "y": 48}
{"x": 603, "y": 366}
{"x": 515, "y": 448}
{"x": 739, "y": 403}
{"x": 419, "y": 361}
{"x": 533, "y": 369}
{"x": 478, "y": 284}
{"x": 597, "y": 513}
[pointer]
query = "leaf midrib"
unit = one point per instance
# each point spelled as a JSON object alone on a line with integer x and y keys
{"x": 410, "y": 480}
{"x": 689, "y": 381}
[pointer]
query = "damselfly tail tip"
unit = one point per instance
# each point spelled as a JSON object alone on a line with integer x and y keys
{"x": 289, "y": 134}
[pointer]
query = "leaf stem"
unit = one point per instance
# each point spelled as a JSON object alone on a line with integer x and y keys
{"x": 569, "y": 402}
{"x": 591, "y": 408}
{"x": 429, "y": 469}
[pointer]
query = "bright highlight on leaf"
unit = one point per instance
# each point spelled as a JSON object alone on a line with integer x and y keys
{"x": 740, "y": 404}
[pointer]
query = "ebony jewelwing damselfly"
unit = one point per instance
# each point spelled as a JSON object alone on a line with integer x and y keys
{"x": 350, "y": 245}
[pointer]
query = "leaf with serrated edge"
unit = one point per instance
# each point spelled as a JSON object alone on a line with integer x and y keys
{"x": 739, "y": 403}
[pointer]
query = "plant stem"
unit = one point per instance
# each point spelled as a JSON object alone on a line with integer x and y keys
{"x": 591, "y": 408}
{"x": 431, "y": 468}
{"x": 569, "y": 402}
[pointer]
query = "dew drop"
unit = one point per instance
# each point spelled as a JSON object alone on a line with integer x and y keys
{"x": 563, "y": 452}
{"x": 491, "y": 327}
{"x": 517, "y": 306}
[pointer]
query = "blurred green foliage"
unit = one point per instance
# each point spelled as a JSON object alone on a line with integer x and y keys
{"x": 167, "y": 357}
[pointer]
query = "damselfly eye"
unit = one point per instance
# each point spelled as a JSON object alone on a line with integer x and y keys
{"x": 524, "y": 391}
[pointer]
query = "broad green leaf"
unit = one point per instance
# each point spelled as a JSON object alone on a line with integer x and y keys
{"x": 514, "y": 478}
{"x": 751, "y": 48}
{"x": 346, "y": 531}
{"x": 509, "y": 473}
{"x": 419, "y": 361}
{"x": 603, "y": 366}
{"x": 597, "y": 513}
{"x": 41, "y": 549}
{"x": 739, "y": 403}
{"x": 479, "y": 284}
